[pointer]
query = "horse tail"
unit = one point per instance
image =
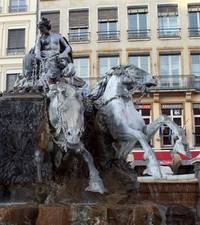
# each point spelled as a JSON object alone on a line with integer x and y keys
{"x": 99, "y": 89}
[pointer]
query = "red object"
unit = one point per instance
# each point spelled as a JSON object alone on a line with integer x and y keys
{"x": 164, "y": 155}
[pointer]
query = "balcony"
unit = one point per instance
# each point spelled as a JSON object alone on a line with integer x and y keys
{"x": 18, "y": 8}
{"x": 16, "y": 51}
{"x": 108, "y": 35}
{"x": 169, "y": 33}
{"x": 178, "y": 82}
{"x": 79, "y": 37}
{"x": 139, "y": 34}
{"x": 194, "y": 32}
{"x": 165, "y": 83}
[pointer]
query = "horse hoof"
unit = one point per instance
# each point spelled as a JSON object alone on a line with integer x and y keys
{"x": 154, "y": 172}
{"x": 96, "y": 186}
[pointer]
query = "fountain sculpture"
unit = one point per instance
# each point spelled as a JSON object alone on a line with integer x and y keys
{"x": 54, "y": 135}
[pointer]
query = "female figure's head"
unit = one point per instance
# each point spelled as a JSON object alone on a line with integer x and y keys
{"x": 44, "y": 26}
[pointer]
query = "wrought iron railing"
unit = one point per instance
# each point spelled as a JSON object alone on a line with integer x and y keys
{"x": 79, "y": 37}
{"x": 108, "y": 35}
{"x": 138, "y": 34}
{"x": 178, "y": 82}
{"x": 16, "y": 51}
{"x": 196, "y": 139}
{"x": 18, "y": 8}
{"x": 194, "y": 32}
{"x": 169, "y": 32}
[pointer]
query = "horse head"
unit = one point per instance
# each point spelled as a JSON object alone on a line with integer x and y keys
{"x": 66, "y": 115}
{"x": 133, "y": 77}
{"x": 124, "y": 80}
{"x": 140, "y": 76}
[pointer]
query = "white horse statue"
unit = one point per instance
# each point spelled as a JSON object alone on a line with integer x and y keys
{"x": 66, "y": 116}
{"x": 113, "y": 97}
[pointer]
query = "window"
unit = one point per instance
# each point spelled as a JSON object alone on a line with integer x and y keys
{"x": 175, "y": 112}
{"x": 170, "y": 64}
{"x": 16, "y": 41}
{"x": 107, "y": 24}
{"x": 17, "y": 6}
{"x": 54, "y": 18}
{"x": 142, "y": 61}
{"x": 195, "y": 63}
{"x": 168, "y": 22}
{"x": 10, "y": 81}
{"x": 145, "y": 112}
{"x": 194, "y": 20}
{"x": 78, "y": 25}
{"x": 106, "y": 63}
{"x": 82, "y": 66}
{"x": 137, "y": 22}
{"x": 1, "y": 8}
{"x": 196, "y": 121}
{"x": 170, "y": 71}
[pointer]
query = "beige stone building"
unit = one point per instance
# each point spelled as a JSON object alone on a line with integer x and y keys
{"x": 17, "y": 36}
{"x": 162, "y": 37}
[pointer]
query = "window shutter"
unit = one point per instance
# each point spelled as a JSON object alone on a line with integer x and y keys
{"x": 16, "y": 38}
{"x": 167, "y": 10}
{"x": 137, "y": 9}
{"x": 169, "y": 53}
{"x": 78, "y": 18}
{"x": 194, "y": 8}
{"x": 54, "y": 18}
{"x": 139, "y": 54}
{"x": 107, "y": 14}
{"x": 196, "y": 106}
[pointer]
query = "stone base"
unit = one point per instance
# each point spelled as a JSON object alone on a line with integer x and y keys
{"x": 153, "y": 203}
{"x": 86, "y": 214}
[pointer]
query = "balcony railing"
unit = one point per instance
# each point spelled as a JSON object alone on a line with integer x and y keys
{"x": 165, "y": 83}
{"x": 139, "y": 34}
{"x": 18, "y": 8}
{"x": 79, "y": 37}
{"x": 169, "y": 33}
{"x": 196, "y": 139}
{"x": 178, "y": 82}
{"x": 194, "y": 32}
{"x": 16, "y": 51}
{"x": 108, "y": 35}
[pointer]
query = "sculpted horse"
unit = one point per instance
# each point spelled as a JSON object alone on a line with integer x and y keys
{"x": 66, "y": 116}
{"x": 118, "y": 115}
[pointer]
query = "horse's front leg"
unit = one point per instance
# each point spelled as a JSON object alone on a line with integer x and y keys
{"x": 181, "y": 144}
{"x": 153, "y": 167}
{"x": 95, "y": 182}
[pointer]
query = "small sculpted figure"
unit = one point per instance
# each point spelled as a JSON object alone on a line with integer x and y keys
{"x": 48, "y": 61}
{"x": 53, "y": 53}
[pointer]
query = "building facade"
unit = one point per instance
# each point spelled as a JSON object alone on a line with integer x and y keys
{"x": 161, "y": 37}
{"x": 17, "y": 36}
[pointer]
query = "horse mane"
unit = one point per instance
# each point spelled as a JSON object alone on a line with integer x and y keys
{"x": 99, "y": 89}
{"x": 121, "y": 70}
